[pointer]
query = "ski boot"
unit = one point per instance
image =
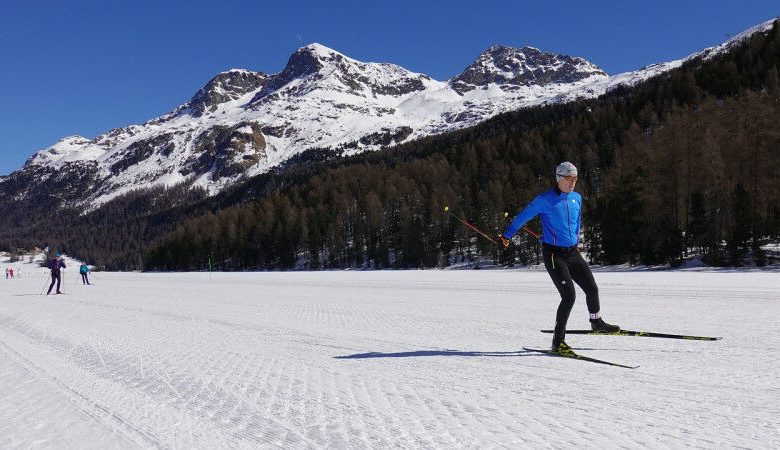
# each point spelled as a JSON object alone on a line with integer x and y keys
{"x": 603, "y": 327}
{"x": 562, "y": 349}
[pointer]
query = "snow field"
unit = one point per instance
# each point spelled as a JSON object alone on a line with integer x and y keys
{"x": 421, "y": 359}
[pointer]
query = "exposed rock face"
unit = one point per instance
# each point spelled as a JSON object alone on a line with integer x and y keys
{"x": 228, "y": 151}
{"x": 523, "y": 67}
{"x": 141, "y": 150}
{"x": 386, "y": 136}
{"x": 225, "y": 87}
{"x": 70, "y": 182}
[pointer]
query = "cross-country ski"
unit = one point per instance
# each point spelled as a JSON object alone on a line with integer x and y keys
{"x": 577, "y": 356}
{"x": 639, "y": 333}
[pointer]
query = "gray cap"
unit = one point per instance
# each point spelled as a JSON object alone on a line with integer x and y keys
{"x": 565, "y": 169}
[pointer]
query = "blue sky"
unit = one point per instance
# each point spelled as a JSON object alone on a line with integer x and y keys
{"x": 84, "y": 67}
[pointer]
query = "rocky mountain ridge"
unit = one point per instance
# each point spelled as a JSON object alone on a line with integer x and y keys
{"x": 243, "y": 123}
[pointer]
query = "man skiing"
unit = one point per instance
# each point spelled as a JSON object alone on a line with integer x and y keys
{"x": 55, "y": 265}
{"x": 560, "y": 209}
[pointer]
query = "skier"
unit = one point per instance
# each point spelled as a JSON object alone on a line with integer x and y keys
{"x": 84, "y": 271}
{"x": 560, "y": 209}
{"x": 11, "y": 270}
{"x": 55, "y": 265}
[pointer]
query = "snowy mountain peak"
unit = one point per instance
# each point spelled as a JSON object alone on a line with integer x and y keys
{"x": 316, "y": 67}
{"x": 226, "y": 86}
{"x": 319, "y": 51}
{"x": 309, "y": 59}
{"x": 525, "y": 66}
{"x": 305, "y": 62}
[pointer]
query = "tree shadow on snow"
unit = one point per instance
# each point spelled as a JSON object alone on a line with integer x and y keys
{"x": 419, "y": 353}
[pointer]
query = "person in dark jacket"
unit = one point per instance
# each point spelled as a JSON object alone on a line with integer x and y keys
{"x": 56, "y": 265}
{"x": 560, "y": 210}
{"x": 84, "y": 271}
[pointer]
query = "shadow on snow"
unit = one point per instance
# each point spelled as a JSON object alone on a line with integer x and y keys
{"x": 420, "y": 353}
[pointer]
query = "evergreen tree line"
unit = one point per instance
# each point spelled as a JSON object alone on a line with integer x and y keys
{"x": 112, "y": 237}
{"x": 684, "y": 162}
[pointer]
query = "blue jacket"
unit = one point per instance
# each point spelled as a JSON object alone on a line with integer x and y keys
{"x": 561, "y": 216}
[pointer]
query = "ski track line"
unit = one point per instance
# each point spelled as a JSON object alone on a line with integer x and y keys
{"x": 284, "y": 403}
{"x": 433, "y": 418}
{"x": 266, "y": 329}
{"x": 204, "y": 398}
{"x": 109, "y": 419}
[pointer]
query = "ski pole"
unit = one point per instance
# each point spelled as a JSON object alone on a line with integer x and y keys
{"x": 526, "y": 229}
{"x": 44, "y": 285}
{"x": 531, "y": 232}
{"x": 473, "y": 227}
{"x": 464, "y": 222}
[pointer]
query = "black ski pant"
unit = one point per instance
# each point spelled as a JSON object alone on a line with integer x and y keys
{"x": 84, "y": 278}
{"x": 55, "y": 277}
{"x": 566, "y": 266}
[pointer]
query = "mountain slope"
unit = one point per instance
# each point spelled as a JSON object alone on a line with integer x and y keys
{"x": 243, "y": 123}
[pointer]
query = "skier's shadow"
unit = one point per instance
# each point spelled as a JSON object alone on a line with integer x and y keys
{"x": 422, "y": 353}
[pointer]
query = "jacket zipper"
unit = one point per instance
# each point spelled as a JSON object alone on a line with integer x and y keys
{"x": 568, "y": 217}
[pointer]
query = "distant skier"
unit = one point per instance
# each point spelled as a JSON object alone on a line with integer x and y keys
{"x": 11, "y": 270}
{"x": 560, "y": 209}
{"x": 6, "y": 273}
{"x": 84, "y": 271}
{"x": 55, "y": 265}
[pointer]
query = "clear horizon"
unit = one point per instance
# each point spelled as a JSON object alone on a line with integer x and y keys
{"x": 86, "y": 68}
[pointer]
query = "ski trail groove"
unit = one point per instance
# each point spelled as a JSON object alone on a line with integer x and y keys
{"x": 109, "y": 419}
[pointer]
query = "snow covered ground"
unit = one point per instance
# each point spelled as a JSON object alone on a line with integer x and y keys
{"x": 420, "y": 359}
